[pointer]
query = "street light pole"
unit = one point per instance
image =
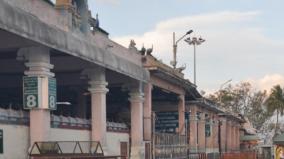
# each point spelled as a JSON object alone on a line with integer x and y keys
{"x": 194, "y": 41}
{"x": 194, "y": 61}
{"x": 174, "y": 62}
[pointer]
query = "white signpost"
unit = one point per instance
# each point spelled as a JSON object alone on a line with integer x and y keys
{"x": 52, "y": 93}
{"x": 30, "y": 92}
{"x": 1, "y": 141}
{"x": 34, "y": 94}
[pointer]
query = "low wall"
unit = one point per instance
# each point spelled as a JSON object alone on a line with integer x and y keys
{"x": 113, "y": 139}
{"x": 239, "y": 155}
{"x": 57, "y": 134}
{"x": 113, "y": 142}
{"x": 15, "y": 141}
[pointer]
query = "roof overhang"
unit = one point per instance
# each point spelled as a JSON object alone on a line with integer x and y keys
{"x": 24, "y": 24}
{"x": 231, "y": 116}
{"x": 169, "y": 77}
{"x": 206, "y": 105}
{"x": 248, "y": 138}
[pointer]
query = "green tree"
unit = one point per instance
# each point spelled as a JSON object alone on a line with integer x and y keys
{"x": 243, "y": 99}
{"x": 275, "y": 102}
{"x": 256, "y": 112}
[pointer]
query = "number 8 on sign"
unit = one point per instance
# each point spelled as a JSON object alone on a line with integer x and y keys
{"x": 31, "y": 101}
{"x": 52, "y": 103}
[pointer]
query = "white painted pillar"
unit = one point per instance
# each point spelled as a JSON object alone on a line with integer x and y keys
{"x": 38, "y": 64}
{"x": 98, "y": 92}
{"x": 147, "y": 112}
{"x": 136, "y": 105}
{"x": 181, "y": 117}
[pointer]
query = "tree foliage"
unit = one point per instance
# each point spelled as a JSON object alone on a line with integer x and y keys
{"x": 243, "y": 99}
{"x": 275, "y": 101}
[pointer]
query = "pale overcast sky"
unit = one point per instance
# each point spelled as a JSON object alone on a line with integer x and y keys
{"x": 244, "y": 38}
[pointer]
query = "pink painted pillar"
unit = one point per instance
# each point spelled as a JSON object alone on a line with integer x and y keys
{"x": 39, "y": 125}
{"x": 238, "y": 137}
{"x": 98, "y": 92}
{"x": 233, "y": 136}
{"x": 229, "y": 135}
{"x": 215, "y": 136}
{"x": 136, "y": 105}
{"x": 181, "y": 117}
{"x": 148, "y": 112}
{"x": 224, "y": 134}
{"x": 38, "y": 66}
{"x": 201, "y": 132}
{"x": 193, "y": 129}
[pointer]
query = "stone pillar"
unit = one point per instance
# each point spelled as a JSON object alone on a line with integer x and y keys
{"x": 224, "y": 134}
{"x": 238, "y": 137}
{"x": 211, "y": 139}
{"x": 233, "y": 136}
{"x": 38, "y": 64}
{"x": 181, "y": 117}
{"x": 215, "y": 136}
{"x": 229, "y": 135}
{"x": 193, "y": 129}
{"x": 201, "y": 132}
{"x": 148, "y": 112}
{"x": 136, "y": 105}
{"x": 98, "y": 92}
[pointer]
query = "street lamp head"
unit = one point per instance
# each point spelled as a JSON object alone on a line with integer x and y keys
{"x": 189, "y": 32}
{"x": 201, "y": 39}
{"x": 174, "y": 62}
{"x": 188, "y": 40}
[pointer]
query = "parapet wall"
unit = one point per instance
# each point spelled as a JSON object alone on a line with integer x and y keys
{"x": 43, "y": 11}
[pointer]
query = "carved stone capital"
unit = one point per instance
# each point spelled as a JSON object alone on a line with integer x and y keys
{"x": 37, "y": 60}
{"x": 39, "y": 69}
{"x": 136, "y": 97}
{"x": 98, "y": 87}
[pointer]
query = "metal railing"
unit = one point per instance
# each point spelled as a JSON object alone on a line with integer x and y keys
{"x": 20, "y": 117}
{"x": 172, "y": 146}
{"x": 69, "y": 150}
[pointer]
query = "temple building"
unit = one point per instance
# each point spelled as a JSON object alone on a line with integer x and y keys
{"x": 68, "y": 90}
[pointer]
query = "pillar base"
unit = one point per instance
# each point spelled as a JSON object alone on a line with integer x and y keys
{"x": 137, "y": 152}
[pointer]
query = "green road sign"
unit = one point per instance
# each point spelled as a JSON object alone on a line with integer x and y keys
{"x": 30, "y": 92}
{"x": 1, "y": 141}
{"x": 52, "y": 93}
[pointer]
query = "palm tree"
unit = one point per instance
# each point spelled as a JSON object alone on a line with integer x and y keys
{"x": 275, "y": 102}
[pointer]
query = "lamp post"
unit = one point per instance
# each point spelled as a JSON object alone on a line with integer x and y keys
{"x": 194, "y": 41}
{"x": 174, "y": 62}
